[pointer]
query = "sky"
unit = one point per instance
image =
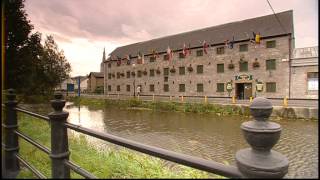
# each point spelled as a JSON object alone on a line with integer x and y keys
{"x": 83, "y": 28}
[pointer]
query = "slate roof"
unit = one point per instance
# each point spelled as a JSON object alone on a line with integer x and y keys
{"x": 267, "y": 26}
{"x": 96, "y": 74}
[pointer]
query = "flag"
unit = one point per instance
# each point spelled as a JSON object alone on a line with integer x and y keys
{"x": 118, "y": 60}
{"x": 253, "y": 39}
{"x": 169, "y": 53}
{"x": 128, "y": 57}
{"x": 184, "y": 50}
{"x": 257, "y": 38}
{"x": 142, "y": 58}
{"x": 205, "y": 46}
{"x": 231, "y": 43}
{"x": 226, "y": 43}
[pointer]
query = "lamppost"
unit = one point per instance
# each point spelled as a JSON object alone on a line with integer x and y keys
{"x": 134, "y": 80}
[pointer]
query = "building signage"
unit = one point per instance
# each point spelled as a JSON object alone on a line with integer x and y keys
{"x": 243, "y": 77}
{"x": 259, "y": 86}
{"x": 229, "y": 86}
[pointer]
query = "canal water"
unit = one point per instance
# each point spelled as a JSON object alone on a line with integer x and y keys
{"x": 207, "y": 136}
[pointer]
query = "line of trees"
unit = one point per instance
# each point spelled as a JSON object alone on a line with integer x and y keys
{"x": 31, "y": 68}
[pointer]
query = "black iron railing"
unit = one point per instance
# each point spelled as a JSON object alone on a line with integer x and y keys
{"x": 257, "y": 162}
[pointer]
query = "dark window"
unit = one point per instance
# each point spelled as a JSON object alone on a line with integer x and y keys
{"x": 182, "y": 70}
{"x": 109, "y": 65}
{"x": 271, "y": 64}
{"x": 109, "y": 76}
{"x": 118, "y": 75}
{"x": 313, "y": 81}
{"x": 118, "y": 88}
{"x": 109, "y": 87}
{"x": 200, "y": 52}
{"x": 166, "y": 87}
{"x": 243, "y": 66}
{"x": 151, "y": 72}
{"x": 199, "y": 87}
{"x": 128, "y": 74}
{"x": 220, "y": 50}
{"x": 166, "y": 57}
{"x": 166, "y": 71}
{"x": 166, "y": 79}
{"x": 220, "y": 87}
{"x": 271, "y": 87}
{"x": 271, "y": 44}
{"x": 181, "y": 55}
{"x": 128, "y": 88}
{"x": 152, "y": 59}
{"x": 139, "y": 73}
{"x": 151, "y": 87}
{"x": 182, "y": 88}
{"x": 243, "y": 47}
{"x": 220, "y": 68}
{"x": 199, "y": 69}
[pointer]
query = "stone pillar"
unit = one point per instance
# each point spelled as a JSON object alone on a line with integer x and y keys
{"x": 260, "y": 161}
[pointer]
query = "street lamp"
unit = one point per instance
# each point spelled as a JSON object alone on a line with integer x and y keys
{"x": 134, "y": 80}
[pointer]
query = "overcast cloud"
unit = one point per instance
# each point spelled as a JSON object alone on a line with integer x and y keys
{"x": 82, "y": 28}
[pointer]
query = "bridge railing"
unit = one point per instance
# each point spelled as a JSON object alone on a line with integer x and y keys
{"x": 259, "y": 161}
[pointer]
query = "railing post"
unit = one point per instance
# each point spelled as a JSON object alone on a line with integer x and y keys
{"x": 11, "y": 146}
{"x": 59, "y": 138}
{"x": 260, "y": 161}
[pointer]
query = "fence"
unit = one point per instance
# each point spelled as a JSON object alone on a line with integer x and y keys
{"x": 259, "y": 161}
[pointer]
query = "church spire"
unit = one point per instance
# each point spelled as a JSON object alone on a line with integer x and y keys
{"x": 104, "y": 54}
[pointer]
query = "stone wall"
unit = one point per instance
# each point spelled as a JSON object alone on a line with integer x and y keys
{"x": 210, "y": 77}
{"x": 299, "y": 83}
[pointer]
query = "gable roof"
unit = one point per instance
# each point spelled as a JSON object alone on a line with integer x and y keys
{"x": 96, "y": 74}
{"x": 267, "y": 26}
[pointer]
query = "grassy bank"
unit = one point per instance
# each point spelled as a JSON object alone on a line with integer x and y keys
{"x": 161, "y": 106}
{"x": 105, "y": 163}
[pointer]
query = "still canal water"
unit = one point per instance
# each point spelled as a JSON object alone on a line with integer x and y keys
{"x": 208, "y": 136}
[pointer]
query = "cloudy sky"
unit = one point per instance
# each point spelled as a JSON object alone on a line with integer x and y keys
{"x": 82, "y": 28}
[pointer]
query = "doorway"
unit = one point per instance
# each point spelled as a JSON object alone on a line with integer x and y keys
{"x": 243, "y": 90}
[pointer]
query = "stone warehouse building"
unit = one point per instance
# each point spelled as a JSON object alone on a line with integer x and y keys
{"x": 214, "y": 68}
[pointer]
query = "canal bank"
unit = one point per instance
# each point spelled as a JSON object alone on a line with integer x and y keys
{"x": 222, "y": 108}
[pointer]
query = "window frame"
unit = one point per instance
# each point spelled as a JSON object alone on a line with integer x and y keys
{"x": 151, "y": 89}
{"x": 182, "y": 89}
{"x": 182, "y": 72}
{"x": 268, "y": 64}
{"x": 241, "y": 67}
{"x": 202, "y": 87}
{"x": 242, "y": 49}
{"x": 199, "y": 53}
{"x": 273, "y": 89}
{"x": 198, "y": 71}
{"x": 166, "y": 88}
{"x": 220, "y": 50}
{"x": 219, "y": 71}
{"x": 219, "y": 85}
{"x": 271, "y": 44}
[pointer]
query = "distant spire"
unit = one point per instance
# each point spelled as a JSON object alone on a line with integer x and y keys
{"x": 104, "y": 54}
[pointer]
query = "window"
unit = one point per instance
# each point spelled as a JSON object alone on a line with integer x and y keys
{"x": 200, "y": 52}
{"x": 118, "y": 75}
{"x": 243, "y": 47}
{"x": 220, "y": 50}
{"x": 182, "y": 88}
{"x": 199, "y": 87}
{"x": 220, "y": 68}
{"x": 181, "y": 55}
{"x": 313, "y": 81}
{"x": 166, "y": 79}
{"x": 220, "y": 87}
{"x": 151, "y": 72}
{"x": 199, "y": 69}
{"x": 271, "y": 87}
{"x": 109, "y": 65}
{"x": 166, "y": 71}
{"x": 128, "y": 74}
{"x": 109, "y": 87}
{"x": 128, "y": 88}
{"x": 243, "y": 66}
{"x": 166, "y": 57}
{"x": 151, "y": 87}
{"x": 271, "y": 64}
{"x": 182, "y": 70}
{"x": 118, "y": 88}
{"x": 139, "y": 73}
{"x": 271, "y": 44}
{"x": 166, "y": 87}
{"x": 109, "y": 75}
{"x": 152, "y": 59}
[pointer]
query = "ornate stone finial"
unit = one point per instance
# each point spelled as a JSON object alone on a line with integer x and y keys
{"x": 262, "y": 135}
{"x": 58, "y": 103}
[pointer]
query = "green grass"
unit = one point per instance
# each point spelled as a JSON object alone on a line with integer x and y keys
{"x": 161, "y": 106}
{"x": 104, "y": 163}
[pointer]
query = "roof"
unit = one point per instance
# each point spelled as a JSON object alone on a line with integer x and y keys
{"x": 96, "y": 74}
{"x": 306, "y": 52}
{"x": 266, "y": 25}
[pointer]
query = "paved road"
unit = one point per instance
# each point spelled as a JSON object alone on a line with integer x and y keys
{"x": 275, "y": 102}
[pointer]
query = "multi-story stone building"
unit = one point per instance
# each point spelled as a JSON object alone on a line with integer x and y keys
{"x": 225, "y": 60}
{"x": 95, "y": 82}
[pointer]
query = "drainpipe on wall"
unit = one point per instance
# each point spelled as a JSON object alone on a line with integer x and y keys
{"x": 290, "y": 52}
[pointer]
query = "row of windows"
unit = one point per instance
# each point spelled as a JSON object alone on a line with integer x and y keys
{"x": 243, "y": 66}
{"x": 219, "y": 50}
{"x": 270, "y": 87}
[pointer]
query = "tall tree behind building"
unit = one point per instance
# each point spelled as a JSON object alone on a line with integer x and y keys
{"x": 30, "y": 67}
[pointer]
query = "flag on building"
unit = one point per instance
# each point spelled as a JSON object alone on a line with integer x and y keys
{"x": 128, "y": 57}
{"x": 140, "y": 58}
{"x": 257, "y": 38}
{"x": 231, "y": 43}
{"x": 205, "y": 47}
{"x": 184, "y": 50}
{"x": 169, "y": 53}
{"x": 118, "y": 60}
